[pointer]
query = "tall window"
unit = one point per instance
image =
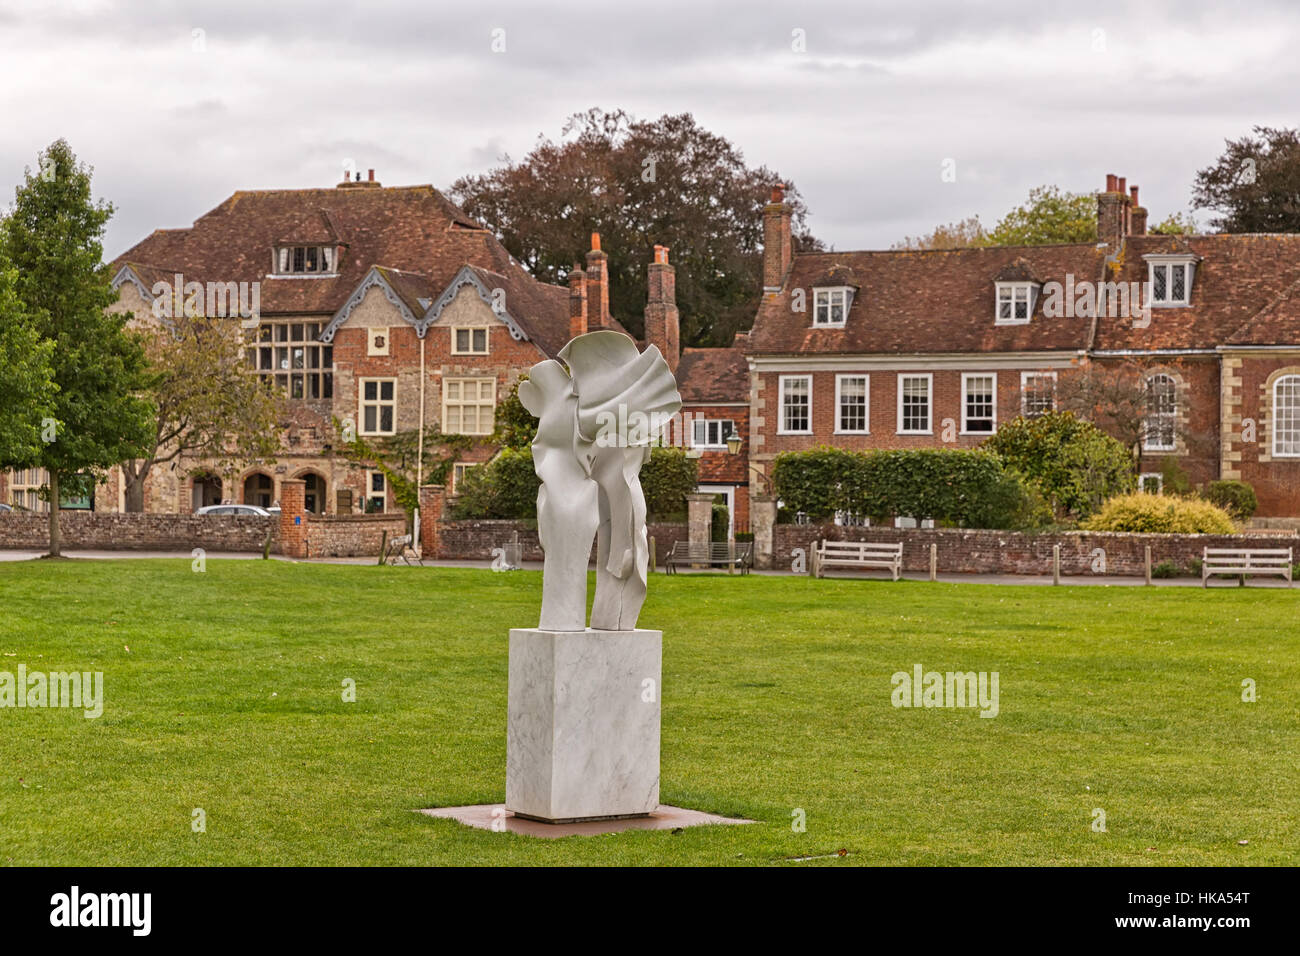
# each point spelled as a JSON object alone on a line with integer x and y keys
{"x": 25, "y": 489}
{"x": 1286, "y": 417}
{"x": 288, "y": 354}
{"x": 376, "y": 493}
{"x": 1161, "y": 426}
{"x": 830, "y": 306}
{"x": 467, "y": 405}
{"x": 469, "y": 341}
{"x": 979, "y": 403}
{"x": 851, "y": 404}
{"x": 1037, "y": 393}
{"x": 305, "y": 260}
{"x": 378, "y": 406}
{"x": 914, "y": 404}
{"x": 796, "y": 404}
{"x": 1015, "y": 300}
{"x": 711, "y": 432}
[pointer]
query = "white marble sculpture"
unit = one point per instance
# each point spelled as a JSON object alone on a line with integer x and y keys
{"x": 596, "y": 421}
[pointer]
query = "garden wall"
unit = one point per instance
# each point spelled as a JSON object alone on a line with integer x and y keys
{"x": 475, "y": 539}
{"x": 342, "y": 536}
{"x": 101, "y": 531}
{"x": 1010, "y": 552}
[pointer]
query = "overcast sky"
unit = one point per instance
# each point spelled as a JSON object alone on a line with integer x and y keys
{"x": 177, "y": 105}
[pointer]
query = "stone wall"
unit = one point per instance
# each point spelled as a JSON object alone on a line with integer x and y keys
{"x": 475, "y": 539}
{"x": 97, "y": 531}
{"x": 335, "y": 536}
{"x": 1009, "y": 552}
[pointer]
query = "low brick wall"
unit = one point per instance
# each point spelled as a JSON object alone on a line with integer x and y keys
{"x": 475, "y": 539}
{"x": 98, "y": 531}
{"x": 345, "y": 536}
{"x": 1009, "y": 552}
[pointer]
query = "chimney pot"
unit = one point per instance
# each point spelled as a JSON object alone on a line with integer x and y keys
{"x": 661, "y": 254}
{"x": 1133, "y": 193}
{"x": 1122, "y": 187}
{"x": 778, "y": 192}
{"x": 1110, "y": 182}
{"x": 372, "y": 175}
{"x": 595, "y": 241}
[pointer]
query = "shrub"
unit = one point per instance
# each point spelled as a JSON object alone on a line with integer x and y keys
{"x": 667, "y": 478}
{"x": 1160, "y": 514}
{"x": 1235, "y": 497}
{"x": 1074, "y": 464}
{"x": 505, "y": 487}
{"x": 1165, "y": 569}
{"x": 720, "y": 520}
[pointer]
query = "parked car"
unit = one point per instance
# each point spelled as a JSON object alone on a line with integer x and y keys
{"x": 4, "y": 508}
{"x": 247, "y": 510}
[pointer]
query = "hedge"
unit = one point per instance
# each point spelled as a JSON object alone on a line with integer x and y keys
{"x": 1160, "y": 514}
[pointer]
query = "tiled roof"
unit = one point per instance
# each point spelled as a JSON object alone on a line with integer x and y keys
{"x": 924, "y": 301}
{"x": 713, "y": 375}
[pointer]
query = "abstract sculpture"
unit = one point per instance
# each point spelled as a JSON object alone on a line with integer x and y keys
{"x": 596, "y": 422}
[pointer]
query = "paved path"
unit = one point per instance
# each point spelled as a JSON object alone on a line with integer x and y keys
{"x": 1022, "y": 579}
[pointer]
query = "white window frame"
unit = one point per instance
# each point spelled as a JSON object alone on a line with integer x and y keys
{"x": 843, "y": 294}
{"x": 780, "y": 421}
{"x": 326, "y": 259}
{"x": 462, "y": 403}
{"x": 965, "y": 378}
{"x": 370, "y": 493}
{"x": 697, "y": 422}
{"x": 1025, "y": 378}
{"x": 929, "y": 403}
{"x": 1013, "y": 292}
{"x": 866, "y": 405}
{"x": 1168, "y": 264}
{"x": 458, "y": 471}
{"x": 1293, "y": 425}
{"x": 1159, "y": 480}
{"x": 471, "y": 329}
{"x": 1147, "y": 444}
{"x": 379, "y": 403}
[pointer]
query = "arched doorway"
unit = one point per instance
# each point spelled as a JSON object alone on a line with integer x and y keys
{"x": 207, "y": 491}
{"x": 313, "y": 496}
{"x": 259, "y": 489}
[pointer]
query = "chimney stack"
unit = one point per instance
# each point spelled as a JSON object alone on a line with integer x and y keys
{"x": 662, "y": 321}
{"x": 597, "y": 286}
{"x": 777, "y": 250}
{"x": 1112, "y": 212}
{"x": 1138, "y": 215}
{"x": 577, "y": 302}
{"x": 372, "y": 175}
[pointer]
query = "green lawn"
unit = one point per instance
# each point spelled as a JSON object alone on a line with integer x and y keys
{"x": 224, "y": 692}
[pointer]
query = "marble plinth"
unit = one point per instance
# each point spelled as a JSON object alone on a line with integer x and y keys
{"x": 582, "y": 734}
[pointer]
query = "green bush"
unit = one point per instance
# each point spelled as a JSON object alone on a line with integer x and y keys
{"x": 505, "y": 487}
{"x": 1165, "y": 569}
{"x": 1160, "y": 514}
{"x": 720, "y": 520}
{"x": 1235, "y": 497}
{"x": 1073, "y": 463}
{"x": 667, "y": 478}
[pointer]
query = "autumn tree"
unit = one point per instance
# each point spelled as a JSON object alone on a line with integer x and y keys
{"x": 1254, "y": 186}
{"x": 954, "y": 235}
{"x": 639, "y": 183}
{"x": 52, "y": 237}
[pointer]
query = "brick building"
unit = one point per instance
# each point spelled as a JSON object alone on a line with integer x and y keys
{"x": 919, "y": 349}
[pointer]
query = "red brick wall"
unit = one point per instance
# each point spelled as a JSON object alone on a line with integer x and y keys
{"x": 1276, "y": 480}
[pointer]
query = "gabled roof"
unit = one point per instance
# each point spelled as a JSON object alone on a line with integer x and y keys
{"x": 938, "y": 301}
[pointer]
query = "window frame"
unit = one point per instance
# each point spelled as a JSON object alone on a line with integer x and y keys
{"x": 1013, "y": 288}
{"x": 707, "y": 422}
{"x": 461, "y": 403}
{"x": 286, "y": 257}
{"x": 782, "y": 384}
{"x": 458, "y": 472}
{"x": 929, "y": 403}
{"x": 370, "y": 495}
{"x": 1293, "y": 426}
{"x": 1159, "y": 480}
{"x": 993, "y": 402}
{"x": 273, "y": 336}
{"x": 845, "y": 293}
{"x": 471, "y": 329}
{"x": 379, "y": 403}
{"x": 1025, "y": 377}
{"x": 1167, "y": 264}
{"x": 1171, "y": 415}
{"x": 866, "y": 404}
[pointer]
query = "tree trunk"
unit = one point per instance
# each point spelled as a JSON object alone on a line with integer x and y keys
{"x": 55, "y": 550}
{"x": 135, "y": 488}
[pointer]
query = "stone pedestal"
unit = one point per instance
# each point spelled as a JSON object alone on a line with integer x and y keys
{"x": 582, "y": 736}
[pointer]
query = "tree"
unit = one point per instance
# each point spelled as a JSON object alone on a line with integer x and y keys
{"x": 26, "y": 380}
{"x": 639, "y": 183}
{"x": 53, "y": 239}
{"x": 1049, "y": 216}
{"x": 1176, "y": 224}
{"x": 1254, "y": 186}
{"x": 955, "y": 235}
{"x": 208, "y": 403}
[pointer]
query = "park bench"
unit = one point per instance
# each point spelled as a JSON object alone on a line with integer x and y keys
{"x": 859, "y": 554}
{"x": 1244, "y": 561}
{"x": 400, "y": 548}
{"x": 713, "y": 554}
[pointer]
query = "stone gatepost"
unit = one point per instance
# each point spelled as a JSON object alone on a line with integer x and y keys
{"x": 699, "y": 518}
{"x": 762, "y": 521}
{"x": 432, "y": 502}
{"x": 293, "y": 518}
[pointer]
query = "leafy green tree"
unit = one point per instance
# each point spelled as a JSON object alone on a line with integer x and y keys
{"x": 1254, "y": 186}
{"x": 515, "y": 426}
{"x": 26, "y": 380}
{"x": 505, "y": 487}
{"x": 1176, "y": 224}
{"x": 53, "y": 239}
{"x": 1051, "y": 215}
{"x": 639, "y": 182}
{"x": 667, "y": 478}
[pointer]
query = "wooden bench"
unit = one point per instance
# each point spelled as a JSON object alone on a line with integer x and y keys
{"x": 1244, "y": 561}
{"x": 400, "y": 548}
{"x": 859, "y": 554}
{"x": 714, "y": 554}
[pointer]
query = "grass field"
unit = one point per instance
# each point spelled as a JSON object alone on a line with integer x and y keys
{"x": 223, "y": 691}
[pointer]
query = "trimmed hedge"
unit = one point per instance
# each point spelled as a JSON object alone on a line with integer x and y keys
{"x": 1160, "y": 514}
{"x": 970, "y": 489}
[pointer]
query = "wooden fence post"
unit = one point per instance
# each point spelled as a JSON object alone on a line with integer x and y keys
{"x": 1056, "y": 564}
{"x": 1148, "y": 564}
{"x": 934, "y": 562}
{"x": 652, "y": 554}
{"x": 383, "y": 546}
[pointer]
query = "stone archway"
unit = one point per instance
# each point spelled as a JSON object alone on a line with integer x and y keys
{"x": 259, "y": 489}
{"x": 206, "y": 491}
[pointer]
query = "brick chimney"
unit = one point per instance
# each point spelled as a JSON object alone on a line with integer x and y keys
{"x": 597, "y": 286}
{"x": 577, "y": 302}
{"x": 1137, "y": 214}
{"x": 662, "y": 323}
{"x": 777, "y": 250}
{"x": 1112, "y": 212}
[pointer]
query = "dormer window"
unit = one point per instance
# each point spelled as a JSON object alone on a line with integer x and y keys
{"x": 306, "y": 260}
{"x": 1170, "y": 279}
{"x": 831, "y": 306}
{"x": 1015, "y": 303}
